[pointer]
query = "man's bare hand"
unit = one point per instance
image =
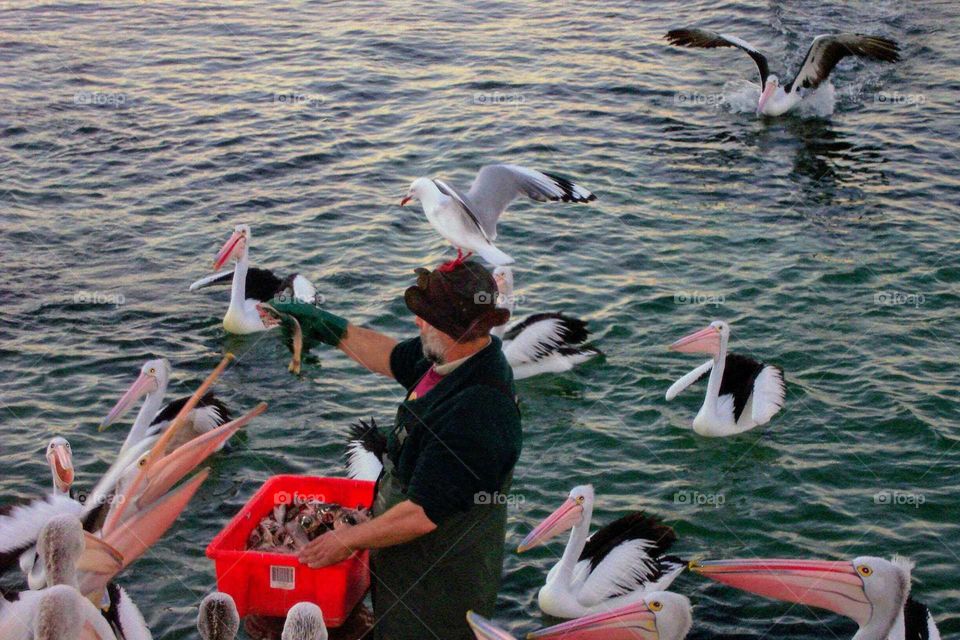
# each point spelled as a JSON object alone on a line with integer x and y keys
{"x": 325, "y": 550}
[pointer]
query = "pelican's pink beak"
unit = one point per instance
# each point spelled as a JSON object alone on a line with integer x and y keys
{"x": 405, "y": 200}
{"x": 229, "y": 248}
{"x": 704, "y": 341}
{"x": 765, "y": 96}
{"x": 99, "y": 557}
{"x": 563, "y": 519}
{"x": 834, "y": 586}
{"x": 143, "y": 385}
{"x": 483, "y": 629}
{"x": 631, "y": 622}
{"x": 62, "y": 464}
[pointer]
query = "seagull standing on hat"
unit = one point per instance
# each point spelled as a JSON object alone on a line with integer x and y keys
{"x": 439, "y": 525}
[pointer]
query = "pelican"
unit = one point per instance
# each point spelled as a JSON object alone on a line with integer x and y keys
{"x": 469, "y": 220}
{"x": 616, "y": 566}
{"x": 873, "y": 592}
{"x": 366, "y": 446}
{"x": 823, "y": 55}
{"x": 251, "y": 286}
{"x": 304, "y": 622}
{"x": 540, "y": 343}
{"x": 659, "y": 615}
{"x": 154, "y": 417}
{"x": 218, "y": 618}
{"x": 741, "y": 392}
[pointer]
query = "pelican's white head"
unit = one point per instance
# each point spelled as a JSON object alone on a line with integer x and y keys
{"x": 60, "y": 458}
{"x": 218, "y": 618}
{"x": 870, "y": 591}
{"x": 577, "y": 507}
{"x": 304, "y": 622}
{"x": 769, "y": 88}
{"x": 154, "y": 376}
{"x": 660, "y": 615}
{"x": 422, "y": 189}
{"x": 707, "y": 340}
{"x": 235, "y": 246}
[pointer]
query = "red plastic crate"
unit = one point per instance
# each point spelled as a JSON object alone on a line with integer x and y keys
{"x": 269, "y": 584}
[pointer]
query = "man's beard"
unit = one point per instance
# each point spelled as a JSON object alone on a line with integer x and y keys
{"x": 432, "y": 349}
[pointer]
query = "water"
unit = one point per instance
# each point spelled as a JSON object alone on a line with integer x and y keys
{"x": 135, "y": 136}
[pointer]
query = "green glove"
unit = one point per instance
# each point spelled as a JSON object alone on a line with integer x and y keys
{"x": 317, "y": 325}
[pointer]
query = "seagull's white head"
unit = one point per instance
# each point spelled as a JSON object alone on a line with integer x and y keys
{"x": 503, "y": 276}
{"x": 234, "y": 247}
{"x": 769, "y": 88}
{"x": 60, "y": 459}
{"x": 420, "y": 189}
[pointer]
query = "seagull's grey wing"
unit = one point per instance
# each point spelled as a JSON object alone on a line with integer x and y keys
{"x": 498, "y": 184}
{"x": 703, "y": 39}
{"x": 462, "y": 205}
{"x": 827, "y": 51}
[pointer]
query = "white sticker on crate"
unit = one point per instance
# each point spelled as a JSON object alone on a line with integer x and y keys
{"x": 282, "y": 577}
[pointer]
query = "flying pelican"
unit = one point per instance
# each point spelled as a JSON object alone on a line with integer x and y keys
{"x": 250, "y": 285}
{"x": 540, "y": 343}
{"x": 617, "y": 565}
{"x": 659, "y": 615}
{"x": 218, "y": 618}
{"x": 154, "y": 417}
{"x": 873, "y": 592}
{"x": 823, "y": 55}
{"x": 468, "y": 221}
{"x": 741, "y": 392}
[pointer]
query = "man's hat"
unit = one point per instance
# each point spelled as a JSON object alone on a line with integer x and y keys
{"x": 457, "y": 299}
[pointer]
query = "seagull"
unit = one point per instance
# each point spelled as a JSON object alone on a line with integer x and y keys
{"x": 469, "y": 220}
{"x": 823, "y": 55}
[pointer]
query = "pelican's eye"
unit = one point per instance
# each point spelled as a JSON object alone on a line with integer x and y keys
{"x": 865, "y": 571}
{"x": 142, "y": 462}
{"x": 655, "y": 605}
{"x": 152, "y": 371}
{"x": 579, "y": 499}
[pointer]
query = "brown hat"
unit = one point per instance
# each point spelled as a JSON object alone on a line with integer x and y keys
{"x": 457, "y": 299}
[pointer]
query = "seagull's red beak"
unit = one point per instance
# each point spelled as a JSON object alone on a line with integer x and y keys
{"x": 405, "y": 200}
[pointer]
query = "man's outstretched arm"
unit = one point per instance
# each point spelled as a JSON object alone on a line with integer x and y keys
{"x": 368, "y": 348}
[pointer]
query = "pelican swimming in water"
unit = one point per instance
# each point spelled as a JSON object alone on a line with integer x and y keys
{"x": 823, "y": 55}
{"x": 615, "y": 566}
{"x": 154, "y": 417}
{"x": 218, "y": 618}
{"x": 251, "y": 286}
{"x": 873, "y": 592}
{"x": 741, "y": 392}
{"x": 659, "y": 615}
{"x": 543, "y": 342}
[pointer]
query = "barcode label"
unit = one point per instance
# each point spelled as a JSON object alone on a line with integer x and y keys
{"x": 282, "y": 577}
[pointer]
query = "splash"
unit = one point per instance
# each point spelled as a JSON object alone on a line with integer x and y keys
{"x": 741, "y": 96}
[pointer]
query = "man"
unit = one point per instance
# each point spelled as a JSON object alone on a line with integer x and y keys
{"x": 438, "y": 530}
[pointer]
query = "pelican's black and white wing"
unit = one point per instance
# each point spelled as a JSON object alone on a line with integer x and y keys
{"x": 366, "y": 446}
{"x": 496, "y": 186}
{"x": 123, "y": 616}
{"x": 827, "y": 51}
{"x": 546, "y": 343}
{"x": 261, "y": 284}
{"x": 680, "y": 385}
{"x": 209, "y": 413}
{"x": 918, "y": 622}
{"x": 21, "y": 524}
{"x": 704, "y": 39}
{"x": 628, "y": 555}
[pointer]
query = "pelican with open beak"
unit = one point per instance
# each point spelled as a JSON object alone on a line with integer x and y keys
{"x": 60, "y": 458}
{"x": 661, "y": 615}
{"x": 871, "y": 591}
